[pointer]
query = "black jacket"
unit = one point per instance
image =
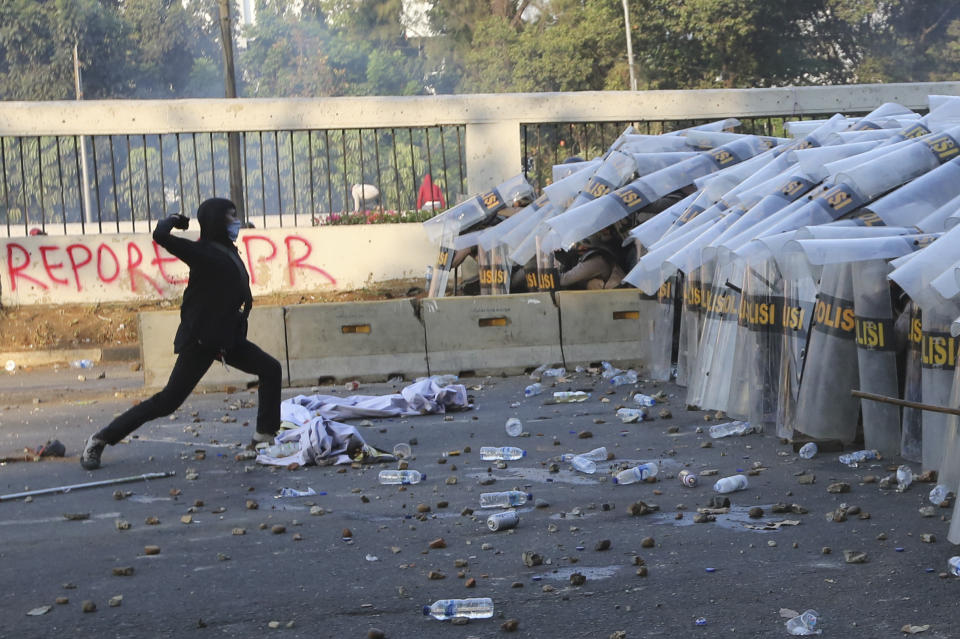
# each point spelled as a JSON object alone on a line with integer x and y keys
{"x": 217, "y": 299}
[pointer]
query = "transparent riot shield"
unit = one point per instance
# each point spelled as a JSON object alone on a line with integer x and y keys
{"x": 494, "y": 271}
{"x": 911, "y": 424}
{"x": 616, "y": 170}
{"x": 512, "y": 192}
{"x": 441, "y": 270}
{"x": 689, "y": 326}
{"x": 799, "y": 296}
{"x": 560, "y": 171}
{"x": 825, "y": 408}
{"x": 762, "y": 346}
{"x": 661, "y": 338}
{"x": 548, "y": 273}
{"x": 648, "y": 232}
{"x": 722, "y": 316}
{"x": 938, "y": 355}
{"x": 943, "y": 218}
{"x": 876, "y": 355}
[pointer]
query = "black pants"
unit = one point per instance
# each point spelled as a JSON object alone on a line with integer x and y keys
{"x": 192, "y": 364}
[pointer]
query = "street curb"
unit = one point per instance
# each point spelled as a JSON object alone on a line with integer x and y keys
{"x": 63, "y": 356}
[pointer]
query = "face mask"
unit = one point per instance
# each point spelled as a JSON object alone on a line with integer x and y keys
{"x": 233, "y": 230}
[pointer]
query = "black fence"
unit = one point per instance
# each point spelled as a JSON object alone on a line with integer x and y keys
{"x": 295, "y": 178}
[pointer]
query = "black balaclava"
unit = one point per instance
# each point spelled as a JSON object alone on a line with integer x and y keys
{"x": 212, "y": 215}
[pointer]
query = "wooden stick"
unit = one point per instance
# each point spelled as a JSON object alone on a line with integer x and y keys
{"x": 903, "y": 402}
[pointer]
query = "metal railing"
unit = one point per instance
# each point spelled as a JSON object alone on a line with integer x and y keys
{"x": 290, "y": 178}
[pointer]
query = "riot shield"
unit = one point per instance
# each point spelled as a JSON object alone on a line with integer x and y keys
{"x": 943, "y": 218}
{"x": 616, "y": 170}
{"x": 911, "y": 425}
{"x": 512, "y": 192}
{"x": 560, "y": 171}
{"x": 660, "y": 339}
{"x": 649, "y": 231}
{"x": 825, "y": 408}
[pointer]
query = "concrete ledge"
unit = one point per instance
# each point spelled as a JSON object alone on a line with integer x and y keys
{"x": 602, "y": 325}
{"x": 369, "y": 341}
{"x": 491, "y": 334}
{"x": 51, "y": 356}
{"x": 158, "y": 328}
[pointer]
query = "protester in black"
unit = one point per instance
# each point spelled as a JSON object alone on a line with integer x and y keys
{"x": 213, "y": 326}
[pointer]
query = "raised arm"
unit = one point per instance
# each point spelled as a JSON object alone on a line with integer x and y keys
{"x": 186, "y": 250}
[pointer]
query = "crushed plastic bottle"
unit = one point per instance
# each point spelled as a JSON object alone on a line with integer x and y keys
{"x": 537, "y": 373}
{"x": 514, "y": 427}
{"x": 505, "y": 453}
{"x": 609, "y": 370}
{"x": 400, "y": 477}
{"x": 855, "y": 458}
{"x": 351, "y": 386}
{"x": 402, "y": 450}
{"x": 730, "y": 484}
{"x": 804, "y": 624}
{"x": 555, "y": 372}
{"x": 904, "y": 478}
{"x": 428, "y": 277}
{"x": 445, "y": 380}
{"x": 637, "y": 473}
{"x": 630, "y": 377}
{"x": 808, "y": 450}
{"x": 631, "y": 415}
{"x": 443, "y": 609}
{"x": 282, "y": 450}
{"x": 533, "y": 389}
{"x": 644, "y": 400}
{"x": 505, "y": 499}
{"x": 584, "y": 465}
{"x": 81, "y": 363}
{"x": 503, "y": 521}
{"x": 597, "y": 454}
{"x": 938, "y": 494}
{"x": 953, "y": 566}
{"x": 570, "y": 397}
{"x": 731, "y": 428}
{"x": 293, "y": 492}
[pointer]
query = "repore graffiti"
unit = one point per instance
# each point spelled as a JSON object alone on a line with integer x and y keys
{"x": 45, "y": 269}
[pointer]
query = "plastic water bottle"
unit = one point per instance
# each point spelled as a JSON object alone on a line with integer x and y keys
{"x": 953, "y": 566}
{"x": 584, "y": 465}
{"x": 808, "y": 450}
{"x": 81, "y": 363}
{"x": 449, "y": 608}
{"x": 631, "y": 415}
{"x": 570, "y": 397}
{"x": 687, "y": 478}
{"x": 282, "y": 450}
{"x": 504, "y": 499}
{"x": 400, "y": 477}
{"x": 428, "y": 276}
{"x": 505, "y": 453}
{"x": 445, "y": 380}
{"x": 597, "y": 454}
{"x": 938, "y": 494}
{"x": 503, "y": 521}
{"x": 904, "y": 478}
{"x": 644, "y": 400}
{"x": 804, "y": 624}
{"x": 852, "y": 459}
{"x": 514, "y": 427}
{"x": 730, "y": 428}
{"x": 537, "y": 373}
{"x": 533, "y": 389}
{"x": 730, "y": 484}
{"x": 637, "y": 473}
{"x": 609, "y": 370}
{"x": 630, "y": 377}
{"x": 555, "y": 372}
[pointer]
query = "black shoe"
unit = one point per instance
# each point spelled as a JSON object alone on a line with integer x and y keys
{"x": 90, "y": 457}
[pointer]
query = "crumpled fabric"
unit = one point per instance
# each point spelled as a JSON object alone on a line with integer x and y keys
{"x": 324, "y": 440}
{"x": 422, "y": 397}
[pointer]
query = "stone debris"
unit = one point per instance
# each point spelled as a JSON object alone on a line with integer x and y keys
{"x": 88, "y": 606}
{"x": 603, "y": 544}
{"x": 531, "y": 559}
{"x": 838, "y": 487}
{"x": 115, "y": 601}
{"x": 437, "y": 543}
{"x": 928, "y": 538}
{"x": 855, "y": 556}
{"x": 647, "y": 542}
{"x": 577, "y": 579}
{"x": 152, "y": 521}
{"x": 510, "y": 625}
{"x": 436, "y": 574}
{"x": 41, "y": 610}
{"x": 151, "y": 550}
{"x": 122, "y": 524}
{"x": 123, "y": 571}
{"x": 912, "y": 630}
{"x": 76, "y": 516}
{"x": 376, "y": 633}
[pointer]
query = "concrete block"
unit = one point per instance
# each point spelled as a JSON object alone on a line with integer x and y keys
{"x": 491, "y": 334}
{"x": 369, "y": 341}
{"x": 604, "y": 325}
{"x": 158, "y": 328}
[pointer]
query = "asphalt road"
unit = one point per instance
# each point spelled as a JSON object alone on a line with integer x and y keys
{"x": 208, "y": 581}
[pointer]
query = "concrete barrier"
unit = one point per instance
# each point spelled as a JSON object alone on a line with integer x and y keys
{"x": 369, "y": 341}
{"x": 157, "y": 330}
{"x": 602, "y": 325}
{"x": 491, "y": 334}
